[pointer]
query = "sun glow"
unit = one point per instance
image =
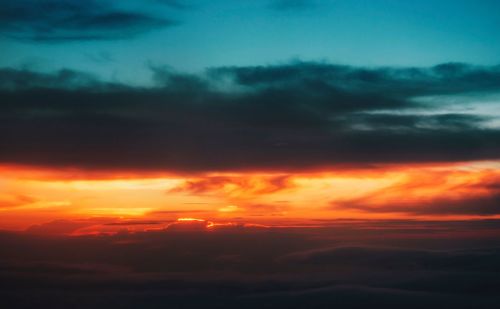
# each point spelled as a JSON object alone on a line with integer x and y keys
{"x": 229, "y": 208}
{"x": 29, "y": 197}
{"x": 190, "y": 220}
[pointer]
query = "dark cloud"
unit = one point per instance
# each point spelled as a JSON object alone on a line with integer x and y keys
{"x": 344, "y": 264}
{"x": 68, "y": 20}
{"x": 289, "y": 117}
{"x": 399, "y": 258}
{"x": 447, "y": 78}
{"x": 355, "y": 297}
{"x": 18, "y": 80}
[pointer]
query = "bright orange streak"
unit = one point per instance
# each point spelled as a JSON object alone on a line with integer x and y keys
{"x": 33, "y": 196}
{"x": 190, "y": 220}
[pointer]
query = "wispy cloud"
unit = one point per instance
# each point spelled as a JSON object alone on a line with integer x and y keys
{"x": 67, "y": 20}
{"x": 434, "y": 193}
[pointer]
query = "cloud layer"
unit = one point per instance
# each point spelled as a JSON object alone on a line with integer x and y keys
{"x": 296, "y": 116}
{"x": 345, "y": 263}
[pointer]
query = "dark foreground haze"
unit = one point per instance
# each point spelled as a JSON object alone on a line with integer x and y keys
{"x": 345, "y": 264}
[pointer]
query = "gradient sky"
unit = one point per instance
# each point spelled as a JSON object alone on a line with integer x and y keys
{"x": 249, "y": 154}
{"x": 254, "y": 112}
{"x": 192, "y": 35}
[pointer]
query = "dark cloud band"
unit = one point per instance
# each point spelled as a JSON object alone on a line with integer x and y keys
{"x": 297, "y": 116}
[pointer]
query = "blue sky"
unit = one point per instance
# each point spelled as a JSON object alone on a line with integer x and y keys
{"x": 261, "y": 32}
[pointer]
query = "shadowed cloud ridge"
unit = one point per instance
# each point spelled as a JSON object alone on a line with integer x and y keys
{"x": 284, "y": 117}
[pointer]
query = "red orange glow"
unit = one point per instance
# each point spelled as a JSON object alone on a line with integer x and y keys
{"x": 31, "y": 197}
{"x": 190, "y": 220}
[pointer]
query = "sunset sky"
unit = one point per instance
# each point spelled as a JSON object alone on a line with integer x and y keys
{"x": 318, "y": 123}
{"x": 36, "y": 197}
{"x": 89, "y": 133}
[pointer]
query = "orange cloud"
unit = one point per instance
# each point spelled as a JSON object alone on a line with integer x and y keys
{"x": 435, "y": 192}
{"x": 15, "y": 200}
{"x": 236, "y": 186}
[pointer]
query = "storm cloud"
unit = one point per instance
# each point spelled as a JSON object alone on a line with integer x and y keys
{"x": 286, "y": 117}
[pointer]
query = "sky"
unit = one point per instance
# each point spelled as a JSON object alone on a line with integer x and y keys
{"x": 280, "y": 153}
{"x": 194, "y": 35}
{"x": 259, "y": 112}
